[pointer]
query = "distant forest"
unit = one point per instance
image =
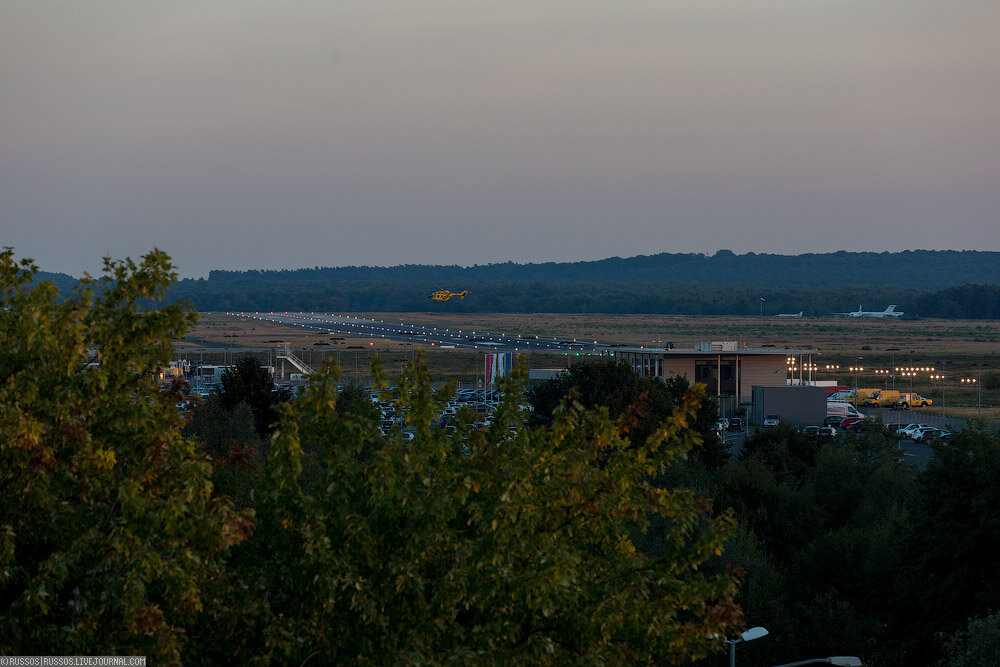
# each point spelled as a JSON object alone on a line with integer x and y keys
{"x": 922, "y": 283}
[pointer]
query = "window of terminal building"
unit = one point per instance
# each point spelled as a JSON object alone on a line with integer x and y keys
{"x": 719, "y": 378}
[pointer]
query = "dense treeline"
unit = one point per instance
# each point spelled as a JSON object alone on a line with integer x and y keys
{"x": 923, "y": 283}
{"x": 966, "y": 302}
{"x": 921, "y": 269}
{"x": 669, "y": 299}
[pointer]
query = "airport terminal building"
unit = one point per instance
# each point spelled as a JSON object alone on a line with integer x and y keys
{"x": 724, "y": 367}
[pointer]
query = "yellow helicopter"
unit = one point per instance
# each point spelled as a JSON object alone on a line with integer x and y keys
{"x": 444, "y": 295}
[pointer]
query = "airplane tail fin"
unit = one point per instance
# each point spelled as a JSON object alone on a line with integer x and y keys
{"x": 463, "y": 293}
{"x": 890, "y": 309}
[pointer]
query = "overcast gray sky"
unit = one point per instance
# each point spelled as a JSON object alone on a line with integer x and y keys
{"x": 248, "y": 134}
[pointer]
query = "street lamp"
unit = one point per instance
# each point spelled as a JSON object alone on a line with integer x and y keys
{"x": 745, "y": 636}
{"x": 843, "y": 660}
{"x": 979, "y": 387}
{"x": 856, "y": 368}
{"x": 940, "y": 377}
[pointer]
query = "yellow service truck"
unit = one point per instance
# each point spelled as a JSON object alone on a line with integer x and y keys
{"x": 858, "y": 396}
{"x": 882, "y": 398}
{"x": 908, "y": 400}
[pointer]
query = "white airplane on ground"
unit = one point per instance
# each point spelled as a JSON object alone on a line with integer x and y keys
{"x": 888, "y": 312}
{"x": 798, "y": 314}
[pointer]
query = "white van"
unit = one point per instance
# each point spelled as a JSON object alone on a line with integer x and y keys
{"x": 841, "y": 409}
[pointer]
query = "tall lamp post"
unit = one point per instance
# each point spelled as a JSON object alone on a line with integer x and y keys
{"x": 979, "y": 400}
{"x": 856, "y": 368}
{"x": 940, "y": 377}
{"x": 745, "y": 636}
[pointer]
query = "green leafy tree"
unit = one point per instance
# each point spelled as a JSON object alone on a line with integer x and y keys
{"x": 976, "y": 645}
{"x": 823, "y": 542}
{"x": 510, "y": 544}
{"x": 615, "y": 385}
{"x": 249, "y": 382}
{"x": 955, "y": 535}
{"x": 220, "y": 430}
{"x": 109, "y": 534}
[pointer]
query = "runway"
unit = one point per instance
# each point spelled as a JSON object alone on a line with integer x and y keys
{"x": 431, "y": 336}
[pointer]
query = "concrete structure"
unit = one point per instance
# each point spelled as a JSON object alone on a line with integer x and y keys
{"x": 798, "y": 406}
{"x": 724, "y": 367}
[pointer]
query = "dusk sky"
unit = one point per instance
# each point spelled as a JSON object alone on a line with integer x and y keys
{"x": 240, "y": 135}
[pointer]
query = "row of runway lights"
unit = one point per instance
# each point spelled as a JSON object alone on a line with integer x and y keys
{"x": 904, "y": 371}
{"x": 259, "y": 316}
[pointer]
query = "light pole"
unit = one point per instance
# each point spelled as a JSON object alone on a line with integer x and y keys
{"x": 856, "y": 368}
{"x": 843, "y": 660}
{"x": 979, "y": 387}
{"x": 940, "y": 377}
{"x": 745, "y": 636}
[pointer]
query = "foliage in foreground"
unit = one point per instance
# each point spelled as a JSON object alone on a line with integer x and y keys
{"x": 109, "y": 534}
{"x": 509, "y": 544}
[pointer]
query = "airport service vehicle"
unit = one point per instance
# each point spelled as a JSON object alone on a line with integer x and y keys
{"x": 771, "y": 420}
{"x": 882, "y": 398}
{"x": 859, "y": 395}
{"x": 908, "y": 400}
{"x": 842, "y": 409}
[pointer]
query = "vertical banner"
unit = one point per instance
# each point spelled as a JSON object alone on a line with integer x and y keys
{"x": 498, "y": 365}
{"x": 490, "y": 361}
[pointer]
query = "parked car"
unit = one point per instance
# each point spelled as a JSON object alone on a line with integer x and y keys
{"x": 771, "y": 420}
{"x": 910, "y": 430}
{"x": 918, "y": 435}
{"x": 929, "y": 434}
{"x": 812, "y": 431}
{"x": 827, "y": 432}
{"x": 735, "y": 424}
{"x": 865, "y": 425}
{"x": 833, "y": 421}
{"x": 849, "y": 422}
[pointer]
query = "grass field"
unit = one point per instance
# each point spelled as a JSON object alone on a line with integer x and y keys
{"x": 954, "y": 348}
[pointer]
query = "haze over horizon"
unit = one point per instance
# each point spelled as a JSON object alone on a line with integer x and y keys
{"x": 250, "y": 135}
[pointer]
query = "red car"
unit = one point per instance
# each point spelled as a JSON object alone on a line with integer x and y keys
{"x": 849, "y": 422}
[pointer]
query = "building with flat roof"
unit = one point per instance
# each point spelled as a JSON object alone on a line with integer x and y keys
{"x": 724, "y": 367}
